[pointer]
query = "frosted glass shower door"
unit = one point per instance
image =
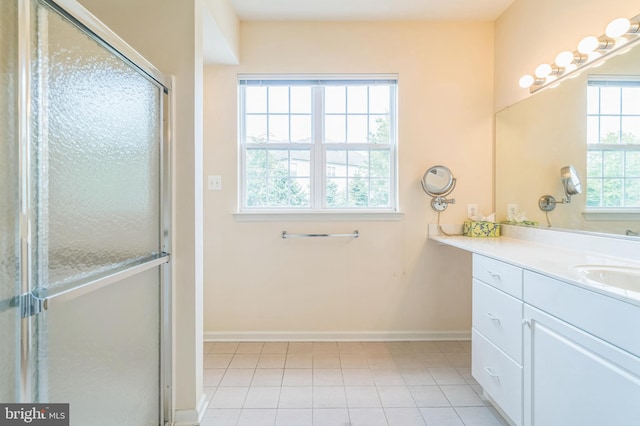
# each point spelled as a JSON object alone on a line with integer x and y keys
{"x": 9, "y": 202}
{"x": 99, "y": 237}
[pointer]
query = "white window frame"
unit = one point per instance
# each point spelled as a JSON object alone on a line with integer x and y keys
{"x": 318, "y": 149}
{"x": 611, "y": 213}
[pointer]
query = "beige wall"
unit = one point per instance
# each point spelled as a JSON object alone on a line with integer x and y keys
{"x": 167, "y": 34}
{"x": 391, "y": 279}
{"x": 532, "y": 32}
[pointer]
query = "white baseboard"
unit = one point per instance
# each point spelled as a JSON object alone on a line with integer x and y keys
{"x": 333, "y": 336}
{"x": 191, "y": 417}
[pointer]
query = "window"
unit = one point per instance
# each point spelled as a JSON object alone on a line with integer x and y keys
{"x": 316, "y": 145}
{"x": 613, "y": 141}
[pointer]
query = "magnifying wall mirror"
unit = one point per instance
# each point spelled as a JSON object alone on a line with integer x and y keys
{"x": 438, "y": 182}
{"x": 570, "y": 181}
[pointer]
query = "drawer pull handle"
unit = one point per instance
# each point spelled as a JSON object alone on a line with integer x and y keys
{"x": 491, "y": 317}
{"x": 496, "y": 276}
{"x": 491, "y": 373}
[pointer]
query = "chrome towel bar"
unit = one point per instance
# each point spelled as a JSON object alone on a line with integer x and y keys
{"x": 355, "y": 234}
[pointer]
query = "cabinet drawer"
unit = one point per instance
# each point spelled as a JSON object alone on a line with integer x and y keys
{"x": 610, "y": 319}
{"x": 498, "y": 375}
{"x": 498, "y": 317}
{"x": 500, "y": 275}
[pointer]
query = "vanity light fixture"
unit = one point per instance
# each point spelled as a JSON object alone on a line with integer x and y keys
{"x": 591, "y": 50}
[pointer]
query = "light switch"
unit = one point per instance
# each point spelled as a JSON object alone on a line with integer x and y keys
{"x": 215, "y": 183}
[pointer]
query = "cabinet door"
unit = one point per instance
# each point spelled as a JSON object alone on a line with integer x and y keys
{"x": 574, "y": 378}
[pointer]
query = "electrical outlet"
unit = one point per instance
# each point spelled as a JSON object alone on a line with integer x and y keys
{"x": 472, "y": 210}
{"x": 214, "y": 183}
{"x": 512, "y": 210}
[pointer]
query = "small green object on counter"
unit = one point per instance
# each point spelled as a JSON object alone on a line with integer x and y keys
{"x": 474, "y": 228}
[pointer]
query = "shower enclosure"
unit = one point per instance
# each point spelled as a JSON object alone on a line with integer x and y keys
{"x": 84, "y": 219}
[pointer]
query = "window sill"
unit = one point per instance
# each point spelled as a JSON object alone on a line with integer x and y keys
{"x": 352, "y": 216}
{"x": 612, "y": 215}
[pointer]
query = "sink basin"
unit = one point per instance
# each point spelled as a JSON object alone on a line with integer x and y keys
{"x": 622, "y": 277}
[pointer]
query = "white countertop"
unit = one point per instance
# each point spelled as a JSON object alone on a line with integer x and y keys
{"x": 552, "y": 260}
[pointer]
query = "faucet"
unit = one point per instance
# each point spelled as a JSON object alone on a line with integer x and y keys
{"x": 631, "y": 233}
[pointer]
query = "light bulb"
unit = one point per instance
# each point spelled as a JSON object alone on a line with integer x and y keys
{"x": 569, "y": 68}
{"x": 564, "y": 59}
{"x": 618, "y": 27}
{"x": 588, "y": 44}
{"x": 543, "y": 70}
{"x": 526, "y": 81}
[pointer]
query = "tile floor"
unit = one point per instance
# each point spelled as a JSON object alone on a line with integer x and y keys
{"x": 343, "y": 383}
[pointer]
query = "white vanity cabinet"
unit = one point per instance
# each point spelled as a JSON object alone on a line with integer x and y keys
{"x": 571, "y": 376}
{"x": 497, "y": 333}
{"x": 549, "y": 347}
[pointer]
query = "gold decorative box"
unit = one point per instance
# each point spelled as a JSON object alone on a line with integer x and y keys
{"x": 473, "y": 228}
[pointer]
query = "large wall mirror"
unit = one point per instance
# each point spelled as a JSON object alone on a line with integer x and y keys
{"x": 592, "y": 122}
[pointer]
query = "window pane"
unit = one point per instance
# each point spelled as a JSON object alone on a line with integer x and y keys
{"x": 610, "y": 130}
{"x": 278, "y": 128}
{"x": 255, "y": 99}
{"x": 379, "y": 193}
{"x": 335, "y": 128}
{"x": 278, "y": 161}
{"x": 334, "y": 99}
{"x": 594, "y": 163}
{"x": 358, "y": 163}
{"x": 358, "y": 195}
{"x": 256, "y": 162}
{"x": 301, "y": 99}
{"x": 631, "y": 130}
{"x": 379, "y": 129}
{"x": 256, "y": 192}
{"x": 336, "y": 163}
{"x": 357, "y": 99}
{"x": 336, "y": 192}
{"x": 593, "y": 100}
{"x": 301, "y": 163}
{"x": 632, "y": 193}
{"x": 610, "y": 100}
{"x": 593, "y": 131}
{"x": 631, "y": 100}
{"x": 594, "y": 190}
{"x": 613, "y": 164}
{"x": 378, "y": 99}
{"x": 304, "y": 199}
{"x": 357, "y": 128}
{"x": 380, "y": 163}
{"x": 256, "y": 128}
{"x": 278, "y": 99}
{"x": 301, "y": 128}
{"x": 632, "y": 166}
{"x": 613, "y": 192}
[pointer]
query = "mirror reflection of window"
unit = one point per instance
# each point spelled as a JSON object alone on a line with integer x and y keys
{"x": 613, "y": 142}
